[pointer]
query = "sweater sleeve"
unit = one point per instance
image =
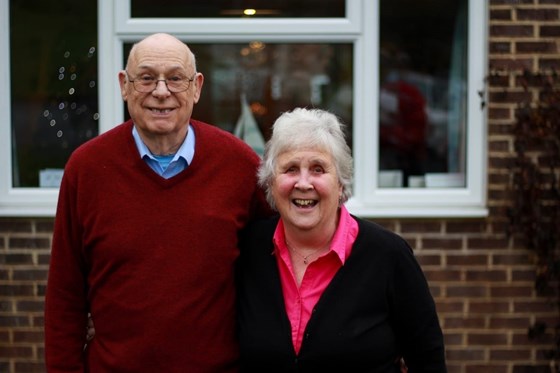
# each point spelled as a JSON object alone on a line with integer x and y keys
{"x": 65, "y": 303}
{"x": 416, "y": 321}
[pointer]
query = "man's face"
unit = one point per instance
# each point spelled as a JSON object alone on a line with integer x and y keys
{"x": 160, "y": 111}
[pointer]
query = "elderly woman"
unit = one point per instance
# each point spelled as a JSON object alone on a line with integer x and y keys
{"x": 320, "y": 289}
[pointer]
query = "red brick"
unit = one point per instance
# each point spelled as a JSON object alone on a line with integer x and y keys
{"x": 29, "y": 243}
{"x": 499, "y": 179}
{"x": 16, "y": 351}
{"x": 501, "y": 14}
{"x": 453, "y": 339}
{"x": 536, "y": 47}
{"x": 463, "y": 323}
{"x": 512, "y": 259}
{"x": 533, "y": 306}
{"x": 511, "y": 2}
{"x": 13, "y": 290}
{"x": 428, "y": 259}
{"x": 487, "y": 243}
{"x": 465, "y": 355}
{"x": 15, "y": 259}
{"x": 487, "y": 339}
{"x": 421, "y": 227}
{"x": 500, "y": 129}
{"x": 13, "y": 321}
{"x": 500, "y": 113}
{"x": 467, "y": 259}
{"x": 510, "y": 96}
{"x": 545, "y": 368}
{"x": 486, "y": 275}
{"x": 549, "y": 31}
{"x": 4, "y": 338}
{"x": 524, "y": 275}
{"x": 549, "y": 64}
{"x": 486, "y": 368}
{"x": 30, "y": 367}
{"x": 463, "y": 291}
{"x": 45, "y": 226}
{"x": 30, "y": 305}
{"x": 499, "y": 80}
{"x": 15, "y": 226}
{"x": 509, "y": 322}
{"x": 30, "y": 274}
{"x": 489, "y": 307}
{"x": 442, "y": 275}
{"x": 28, "y": 336}
{"x": 499, "y": 146}
{"x": 510, "y": 354}
{"x": 500, "y": 48}
{"x": 445, "y": 306}
{"x": 525, "y": 14}
{"x": 443, "y": 243}
{"x": 512, "y": 30}
{"x": 512, "y": 291}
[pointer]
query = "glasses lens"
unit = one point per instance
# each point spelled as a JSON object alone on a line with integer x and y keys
{"x": 172, "y": 86}
{"x": 177, "y": 86}
{"x": 144, "y": 87}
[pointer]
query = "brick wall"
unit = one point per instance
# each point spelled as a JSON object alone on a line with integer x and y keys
{"x": 482, "y": 281}
{"x": 24, "y": 257}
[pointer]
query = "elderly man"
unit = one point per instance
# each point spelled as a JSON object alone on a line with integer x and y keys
{"x": 146, "y": 231}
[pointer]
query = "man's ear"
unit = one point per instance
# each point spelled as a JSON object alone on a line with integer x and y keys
{"x": 122, "y": 84}
{"x": 197, "y": 86}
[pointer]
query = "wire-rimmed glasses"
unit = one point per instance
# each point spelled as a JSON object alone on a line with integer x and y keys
{"x": 148, "y": 83}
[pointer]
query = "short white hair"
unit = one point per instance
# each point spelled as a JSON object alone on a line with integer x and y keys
{"x": 307, "y": 128}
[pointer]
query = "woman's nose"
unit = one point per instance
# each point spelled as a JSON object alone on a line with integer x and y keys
{"x": 303, "y": 182}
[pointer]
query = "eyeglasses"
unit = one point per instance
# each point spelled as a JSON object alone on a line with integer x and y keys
{"x": 148, "y": 83}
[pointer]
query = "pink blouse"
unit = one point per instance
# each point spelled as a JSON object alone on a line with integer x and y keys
{"x": 319, "y": 273}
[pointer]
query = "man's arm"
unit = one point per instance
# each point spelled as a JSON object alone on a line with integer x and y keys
{"x": 65, "y": 302}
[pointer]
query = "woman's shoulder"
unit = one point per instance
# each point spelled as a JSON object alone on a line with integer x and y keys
{"x": 261, "y": 227}
{"x": 376, "y": 235}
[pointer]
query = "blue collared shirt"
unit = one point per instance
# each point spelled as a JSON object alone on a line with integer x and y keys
{"x": 180, "y": 160}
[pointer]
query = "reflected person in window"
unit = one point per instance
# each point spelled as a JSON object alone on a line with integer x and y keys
{"x": 146, "y": 231}
{"x": 318, "y": 288}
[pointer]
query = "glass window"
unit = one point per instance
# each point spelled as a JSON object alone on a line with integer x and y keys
{"x": 238, "y": 8}
{"x": 403, "y": 76}
{"x": 54, "y": 91}
{"x": 422, "y": 102}
{"x": 268, "y": 79}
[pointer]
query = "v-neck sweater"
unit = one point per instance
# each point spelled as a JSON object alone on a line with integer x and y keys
{"x": 151, "y": 258}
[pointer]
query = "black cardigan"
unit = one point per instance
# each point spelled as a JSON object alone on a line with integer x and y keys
{"x": 377, "y": 307}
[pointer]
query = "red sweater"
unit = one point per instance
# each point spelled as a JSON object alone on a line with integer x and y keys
{"x": 152, "y": 258}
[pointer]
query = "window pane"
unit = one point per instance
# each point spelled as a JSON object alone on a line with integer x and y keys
{"x": 53, "y": 86}
{"x": 220, "y": 8}
{"x": 422, "y": 106}
{"x": 272, "y": 78}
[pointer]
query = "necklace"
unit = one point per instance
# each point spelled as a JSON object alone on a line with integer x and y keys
{"x": 306, "y": 257}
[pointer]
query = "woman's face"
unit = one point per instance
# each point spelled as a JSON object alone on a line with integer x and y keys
{"x": 306, "y": 190}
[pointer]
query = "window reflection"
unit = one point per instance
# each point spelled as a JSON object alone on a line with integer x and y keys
{"x": 422, "y": 101}
{"x": 238, "y": 8}
{"x": 53, "y": 86}
{"x": 272, "y": 78}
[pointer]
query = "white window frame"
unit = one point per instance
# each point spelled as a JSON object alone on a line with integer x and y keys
{"x": 116, "y": 27}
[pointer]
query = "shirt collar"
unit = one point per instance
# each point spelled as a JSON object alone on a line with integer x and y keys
{"x": 186, "y": 150}
{"x": 342, "y": 240}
